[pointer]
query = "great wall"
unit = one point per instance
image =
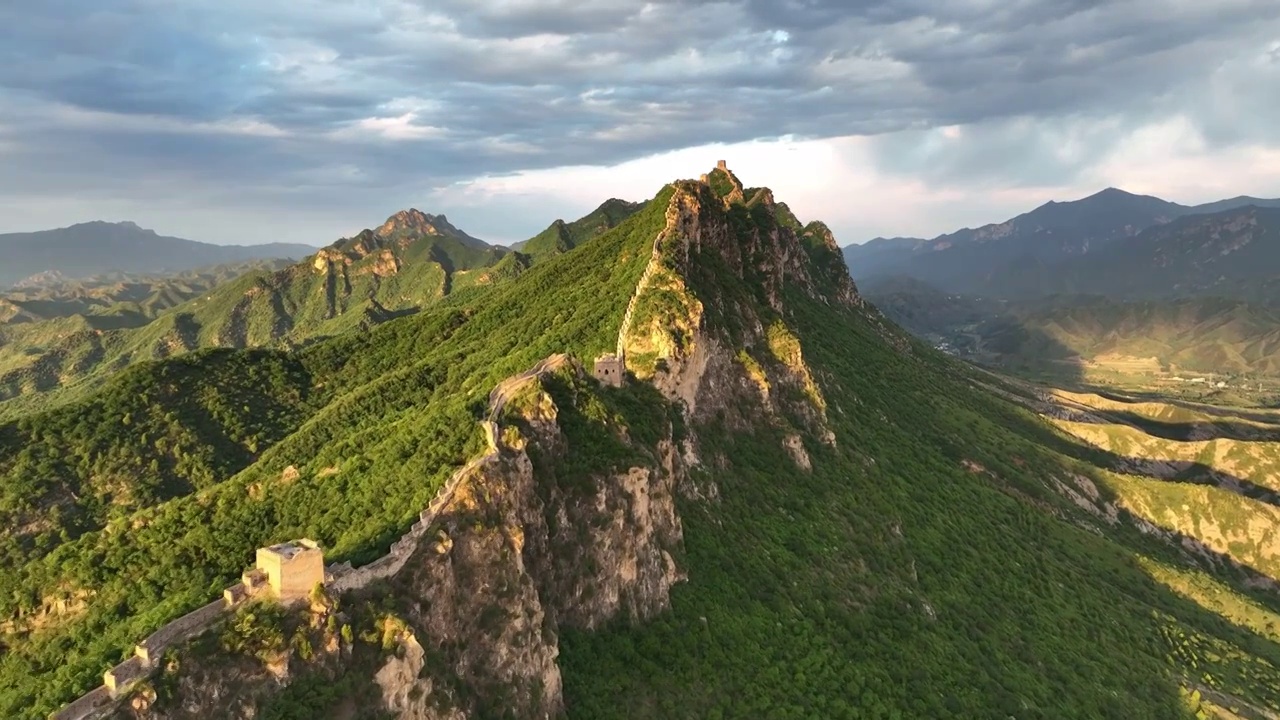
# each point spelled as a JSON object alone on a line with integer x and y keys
{"x": 611, "y": 369}
{"x": 260, "y": 583}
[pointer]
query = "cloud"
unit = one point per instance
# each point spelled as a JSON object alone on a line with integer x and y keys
{"x": 314, "y": 108}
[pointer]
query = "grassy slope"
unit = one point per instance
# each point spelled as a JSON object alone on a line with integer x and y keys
{"x": 1195, "y": 334}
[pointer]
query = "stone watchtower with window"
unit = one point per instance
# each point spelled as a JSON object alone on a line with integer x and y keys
{"x": 610, "y": 369}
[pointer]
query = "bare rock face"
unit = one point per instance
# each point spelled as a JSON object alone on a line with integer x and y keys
{"x": 521, "y": 555}
{"x": 712, "y": 312}
{"x": 415, "y": 222}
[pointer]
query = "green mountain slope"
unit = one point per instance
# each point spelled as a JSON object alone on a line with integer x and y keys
{"x": 37, "y": 317}
{"x": 98, "y": 247}
{"x": 563, "y": 236}
{"x": 406, "y": 264}
{"x": 790, "y": 509}
{"x": 1202, "y": 335}
{"x": 116, "y": 299}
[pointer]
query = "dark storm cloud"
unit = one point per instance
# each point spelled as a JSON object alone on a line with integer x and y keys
{"x": 254, "y": 100}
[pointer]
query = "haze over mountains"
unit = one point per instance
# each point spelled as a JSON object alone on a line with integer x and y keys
{"x": 94, "y": 248}
{"x": 1056, "y": 247}
{"x": 1133, "y": 278}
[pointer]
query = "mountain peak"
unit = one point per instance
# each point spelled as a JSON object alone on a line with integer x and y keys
{"x": 1113, "y": 192}
{"x": 100, "y": 225}
{"x": 414, "y": 221}
{"x": 724, "y": 183}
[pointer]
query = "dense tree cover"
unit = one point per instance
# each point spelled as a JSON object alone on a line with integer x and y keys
{"x": 922, "y": 569}
{"x": 563, "y": 236}
{"x": 159, "y": 431}
{"x": 402, "y": 403}
{"x": 103, "y": 302}
{"x": 355, "y": 283}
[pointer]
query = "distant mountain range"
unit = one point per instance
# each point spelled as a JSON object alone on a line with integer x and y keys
{"x": 1115, "y": 278}
{"x": 94, "y": 248}
{"x": 1062, "y": 246}
{"x": 56, "y": 332}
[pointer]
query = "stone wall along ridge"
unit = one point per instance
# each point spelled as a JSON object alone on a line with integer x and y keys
{"x": 180, "y": 630}
{"x": 340, "y": 577}
{"x": 655, "y": 260}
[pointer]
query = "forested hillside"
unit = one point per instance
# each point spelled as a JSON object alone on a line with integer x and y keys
{"x": 870, "y": 529}
{"x": 406, "y": 264}
{"x": 563, "y": 236}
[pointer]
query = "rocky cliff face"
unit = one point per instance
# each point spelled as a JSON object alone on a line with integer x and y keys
{"x": 524, "y": 549}
{"x": 711, "y": 323}
{"x": 528, "y": 543}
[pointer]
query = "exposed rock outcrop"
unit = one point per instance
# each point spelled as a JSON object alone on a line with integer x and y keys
{"x": 519, "y": 547}
{"x": 529, "y": 552}
{"x": 711, "y": 323}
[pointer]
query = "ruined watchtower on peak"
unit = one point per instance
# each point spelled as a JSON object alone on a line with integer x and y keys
{"x": 292, "y": 569}
{"x": 721, "y": 165}
{"x": 610, "y": 369}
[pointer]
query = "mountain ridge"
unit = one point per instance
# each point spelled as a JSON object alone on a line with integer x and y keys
{"x": 865, "y": 528}
{"x": 98, "y": 247}
{"x": 561, "y": 236}
{"x": 409, "y": 261}
{"x": 975, "y": 260}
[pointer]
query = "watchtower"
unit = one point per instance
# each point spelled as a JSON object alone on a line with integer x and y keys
{"x": 292, "y": 568}
{"x": 722, "y": 165}
{"x": 610, "y": 369}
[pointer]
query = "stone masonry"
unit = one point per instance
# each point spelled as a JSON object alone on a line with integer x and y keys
{"x": 286, "y": 572}
{"x": 610, "y": 369}
{"x": 293, "y": 569}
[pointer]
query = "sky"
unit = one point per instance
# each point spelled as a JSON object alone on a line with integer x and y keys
{"x": 240, "y": 121}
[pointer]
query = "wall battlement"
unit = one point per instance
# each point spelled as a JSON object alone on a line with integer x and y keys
{"x": 289, "y": 566}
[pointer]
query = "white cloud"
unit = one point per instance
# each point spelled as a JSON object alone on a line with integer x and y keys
{"x": 837, "y": 180}
{"x": 1172, "y": 160}
{"x": 74, "y": 117}
{"x": 401, "y": 127}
